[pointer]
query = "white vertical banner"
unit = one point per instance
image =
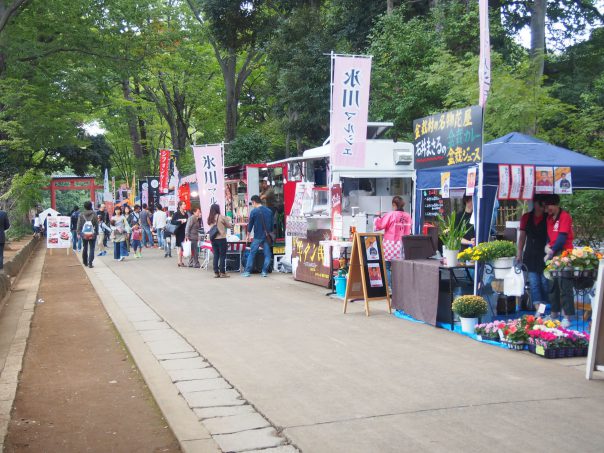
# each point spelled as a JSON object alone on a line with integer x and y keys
{"x": 209, "y": 169}
{"x": 351, "y": 79}
{"x": 484, "y": 68}
{"x": 107, "y": 194}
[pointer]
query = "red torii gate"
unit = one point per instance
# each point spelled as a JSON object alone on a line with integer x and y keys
{"x": 75, "y": 183}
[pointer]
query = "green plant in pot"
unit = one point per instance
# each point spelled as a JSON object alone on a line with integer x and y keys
{"x": 452, "y": 232}
{"x": 501, "y": 255}
{"x": 469, "y": 308}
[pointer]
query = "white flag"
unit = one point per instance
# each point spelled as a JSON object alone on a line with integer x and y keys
{"x": 484, "y": 68}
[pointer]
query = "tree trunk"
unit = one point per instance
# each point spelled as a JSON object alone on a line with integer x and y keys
{"x": 231, "y": 98}
{"x": 142, "y": 125}
{"x": 288, "y": 138}
{"x": 132, "y": 121}
{"x": 537, "y": 52}
{"x": 389, "y": 6}
{"x": 299, "y": 145}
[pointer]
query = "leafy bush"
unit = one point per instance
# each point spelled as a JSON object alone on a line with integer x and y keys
{"x": 488, "y": 251}
{"x": 452, "y": 231}
{"x": 470, "y": 306}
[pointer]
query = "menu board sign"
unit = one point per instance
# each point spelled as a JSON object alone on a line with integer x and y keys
{"x": 310, "y": 253}
{"x": 433, "y": 205}
{"x": 448, "y": 138}
{"x": 58, "y": 235}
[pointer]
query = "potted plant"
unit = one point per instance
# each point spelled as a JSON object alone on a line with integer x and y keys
{"x": 451, "y": 234}
{"x": 579, "y": 264}
{"x": 469, "y": 308}
{"x": 500, "y": 254}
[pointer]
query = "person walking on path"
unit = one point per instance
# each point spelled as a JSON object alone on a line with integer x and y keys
{"x": 531, "y": 250}
{"x": 261, "y": 223}
{"x": 145, "y": 222}
{"x": 137, "y": 234}
{"x": 120, "y": 231}
{"x": 104, "y": 229}
{"x": 192, "y": 234}
{"x": 159, "y": 225}
{"x": 4, "y": 225}
{"x": 76, "y": 240}
{"x": 168, "y": 236}
{"x": 395, "y": 224}
{"x": 180, "y": 219}
{"x": 87, "y": 227}
{"x": 219, "y": 242}
{"x": 560, "y": 234}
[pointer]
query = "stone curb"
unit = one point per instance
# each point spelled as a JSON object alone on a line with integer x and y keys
{"x": 13, "y": 266}
{"x": 29, "y": 280}
{"x": 185, "y": 385}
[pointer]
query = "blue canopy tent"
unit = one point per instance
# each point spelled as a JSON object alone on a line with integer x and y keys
{"x": 514, "y": 148}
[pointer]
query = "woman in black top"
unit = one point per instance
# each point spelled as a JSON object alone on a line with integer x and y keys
{"x": 180, "y": 218}
{"x": 531, "y": 250}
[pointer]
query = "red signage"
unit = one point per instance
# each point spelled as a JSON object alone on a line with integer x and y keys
{"x": 184, "y": 194}
{"x": 164, "y": 170}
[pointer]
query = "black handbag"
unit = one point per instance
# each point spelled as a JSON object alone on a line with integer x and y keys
{"x": 214, "y": 230}
{"x": 171, "y": 228}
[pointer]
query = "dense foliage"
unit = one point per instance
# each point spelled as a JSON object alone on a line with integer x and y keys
{"x": 255, "y": 74}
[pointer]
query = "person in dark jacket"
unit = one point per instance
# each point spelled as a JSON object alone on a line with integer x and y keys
{"x": 75, "y": 238}
{"x": 192, "y": 234}
{"x": 260, "y": 223}
{"x": 180, "y": 218}
{"x": 4, "y": 225}
{"x": 88, "y": 215}
{"x": 531, "y": 250}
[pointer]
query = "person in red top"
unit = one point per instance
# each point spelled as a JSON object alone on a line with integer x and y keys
{"x": 560, "y": 234}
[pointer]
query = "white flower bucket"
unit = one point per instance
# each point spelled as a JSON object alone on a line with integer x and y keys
{"x": 468, "y": 324}
{"x": 450, "y": 257}
{"x": 502, "y": 266}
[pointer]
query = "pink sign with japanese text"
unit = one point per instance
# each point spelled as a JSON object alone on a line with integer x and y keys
{"x": 210, "y": 178}
{"x": 350, "y": 103}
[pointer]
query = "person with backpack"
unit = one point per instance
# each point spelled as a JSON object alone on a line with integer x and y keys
{"x": 87, "y": 227}
{"x": 218, "y": 237}
{"x": 75, "y": 236}
{"x": 261, "y": 224}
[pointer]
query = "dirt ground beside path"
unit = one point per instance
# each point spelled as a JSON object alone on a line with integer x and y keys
{"x": 79, "y": 390}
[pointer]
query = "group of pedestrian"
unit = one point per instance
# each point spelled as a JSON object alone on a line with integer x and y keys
{"x": 546, "y": 232}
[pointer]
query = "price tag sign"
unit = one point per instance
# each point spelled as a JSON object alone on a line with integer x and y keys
{"x": 540, "y": 350}
{"x": 541, "y": 309}
{"x": 500, "y": 332}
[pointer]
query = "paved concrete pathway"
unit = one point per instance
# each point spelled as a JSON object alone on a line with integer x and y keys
{"x": 330, "y": 382}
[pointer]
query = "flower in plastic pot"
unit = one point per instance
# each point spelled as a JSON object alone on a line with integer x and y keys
{"x": 469, "y": 308}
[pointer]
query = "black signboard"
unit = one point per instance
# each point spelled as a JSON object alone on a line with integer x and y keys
{"x": 432, "y": 205}
{"x": 448, "y": 138}
{"x": 153, "y": 188}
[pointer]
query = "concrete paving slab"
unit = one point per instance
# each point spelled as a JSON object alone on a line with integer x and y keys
{"x": 170, "y": 347}
{"x": 177, "y": 355}
{"x": 281, "y": 449}
{"x": 235, "y": 423}
{"x": 150, "y": 325}
{"x": 160, "y": 335}
{"x": 199, "y": 446}
{"x": 211, "y": 398}
{"x": 249, "y": 440}
{"x": 202, "y": 385}
{"x": 184, "y": 364}
{"x": 197, "y": 373}
{"x": 222, "y": 411}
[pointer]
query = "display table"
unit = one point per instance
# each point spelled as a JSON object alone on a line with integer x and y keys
{"x": 424, "y": 289}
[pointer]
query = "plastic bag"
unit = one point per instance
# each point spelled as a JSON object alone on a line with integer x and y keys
{"x": 186, "y": 249}
{"x": 513, "y": 283}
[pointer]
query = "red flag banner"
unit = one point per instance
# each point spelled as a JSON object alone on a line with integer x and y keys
{"x": 164, "y": 170}
{"x": 184, "y": 194}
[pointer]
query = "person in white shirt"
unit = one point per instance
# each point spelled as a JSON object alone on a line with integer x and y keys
{"x": 159, "y": 224}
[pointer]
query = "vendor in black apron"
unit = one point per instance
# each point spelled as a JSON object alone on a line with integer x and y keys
{"x": 531, "y": 250}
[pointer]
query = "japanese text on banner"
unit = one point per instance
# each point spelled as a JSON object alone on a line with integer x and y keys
{"x": 164, "y": 170}
{"x": 209, "y": 169}
{"x": 350, "y": 102}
